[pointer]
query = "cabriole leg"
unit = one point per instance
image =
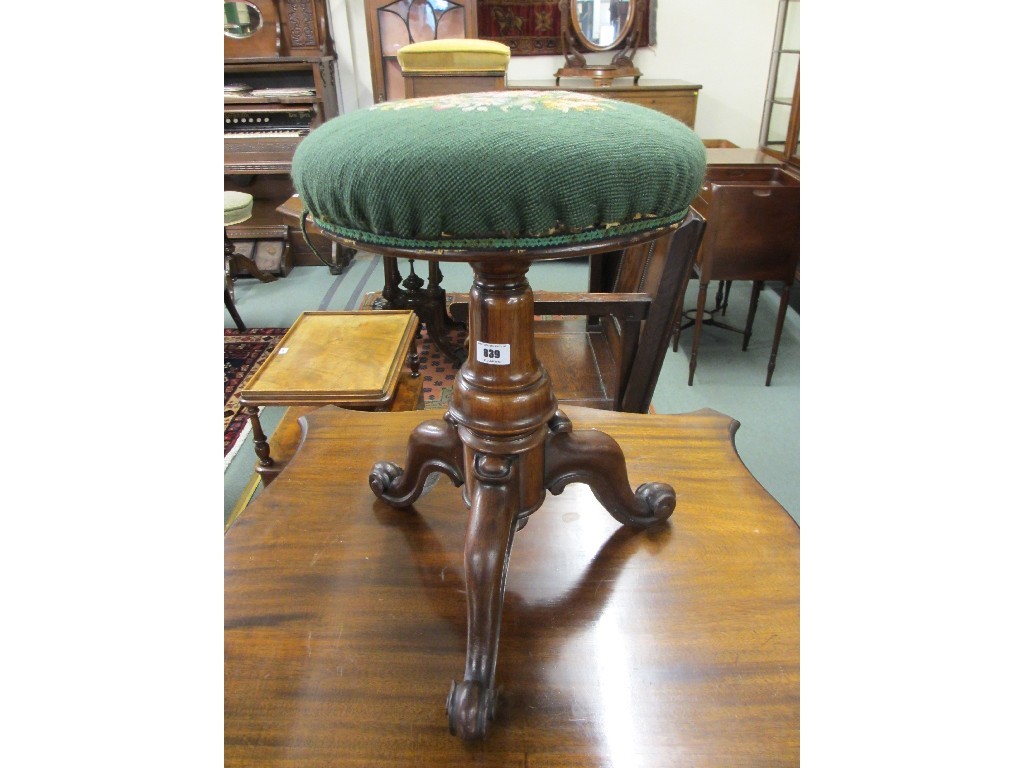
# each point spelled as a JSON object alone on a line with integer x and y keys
{"x": 493, "y": 509}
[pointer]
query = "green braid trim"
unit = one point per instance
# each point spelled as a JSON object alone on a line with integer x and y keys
{"x": 503, "y": 243}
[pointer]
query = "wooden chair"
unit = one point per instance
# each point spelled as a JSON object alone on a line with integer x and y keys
{"x": 393, "y": 24}
{"x": 753, "y": 233}
{"x": 611, "y": 358}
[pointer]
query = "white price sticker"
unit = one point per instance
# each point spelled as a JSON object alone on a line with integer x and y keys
{"x": 493, "y": 354}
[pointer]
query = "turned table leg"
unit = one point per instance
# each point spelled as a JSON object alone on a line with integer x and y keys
{"x": 260, "y": 443}
{"x": 429, "y": 304}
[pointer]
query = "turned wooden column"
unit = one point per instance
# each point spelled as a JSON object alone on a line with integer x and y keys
{"x": 502, "y": 400}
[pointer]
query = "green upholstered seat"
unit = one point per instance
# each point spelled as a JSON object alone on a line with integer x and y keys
{"x": 237, "y": 207}
{"x": 497, "y": 170}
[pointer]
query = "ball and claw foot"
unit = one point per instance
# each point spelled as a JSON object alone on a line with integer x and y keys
{"x": 470, "y": 706}
{"x": 383, "y": 477}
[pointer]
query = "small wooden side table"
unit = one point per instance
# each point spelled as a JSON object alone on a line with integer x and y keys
{"x": 348, "y": 359}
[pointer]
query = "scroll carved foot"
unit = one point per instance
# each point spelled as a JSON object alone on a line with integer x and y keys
{"x": 594, "y": 458}
{"x": 433, "y": 447}
{"x": 470, "y": 707}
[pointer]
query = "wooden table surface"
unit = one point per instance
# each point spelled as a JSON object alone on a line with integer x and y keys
{"x": 331, "y": 357}
{"x": 345, "y": 619}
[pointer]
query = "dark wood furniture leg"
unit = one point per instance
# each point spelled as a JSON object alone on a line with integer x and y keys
{"x": 341, "y": 257}
{"x": 722, "y": 297}
{"x": 755, "y": 295}
{"x": 234, "y": 259}
{"x": 229, "y": 292}
{"x": 430, "y": 304}
{"x": 505, "y": 439}
{"x": 698, "y": 322}
{"x": 780, "y": 320}
{"x": 229, "y": 302}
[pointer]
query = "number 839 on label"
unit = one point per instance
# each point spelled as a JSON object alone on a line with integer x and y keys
{"x": 493, "y": 354}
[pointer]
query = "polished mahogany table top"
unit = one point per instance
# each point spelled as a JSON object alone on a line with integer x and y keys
{"x": 674, "y": 646}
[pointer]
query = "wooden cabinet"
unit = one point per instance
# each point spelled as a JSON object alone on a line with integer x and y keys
{"x": 675, "y": 98}
{"x": 753, "y": 233}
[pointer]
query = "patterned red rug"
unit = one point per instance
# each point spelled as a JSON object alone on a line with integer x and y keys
{"x": 244, "y": 351}
{"x": 532, "y": 27}
{"x": 438, "y": 371}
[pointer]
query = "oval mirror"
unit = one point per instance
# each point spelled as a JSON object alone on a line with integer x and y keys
{"x": 241, "y": 19}
{"x": 602, "y": 24}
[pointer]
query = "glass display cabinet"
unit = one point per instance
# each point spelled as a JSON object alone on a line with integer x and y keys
{"x": 780, "y": 124}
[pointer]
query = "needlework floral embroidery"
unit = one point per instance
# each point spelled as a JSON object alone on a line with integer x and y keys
{"x": 505, "y": 101}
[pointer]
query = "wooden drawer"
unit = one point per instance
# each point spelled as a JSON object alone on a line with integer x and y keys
{"x": 681, "y": 105}
{"x": 675, "y": 98}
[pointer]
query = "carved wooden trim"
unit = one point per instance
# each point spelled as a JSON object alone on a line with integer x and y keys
{"x": 300, "y": 23}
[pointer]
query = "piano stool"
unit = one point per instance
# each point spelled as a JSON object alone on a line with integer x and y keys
{"x": 500, "y": 179}
{"x": 237, "y": 208}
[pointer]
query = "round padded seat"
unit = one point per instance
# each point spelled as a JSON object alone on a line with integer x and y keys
{"x": 237, "y": 207}
{"x": 497, "y": 171}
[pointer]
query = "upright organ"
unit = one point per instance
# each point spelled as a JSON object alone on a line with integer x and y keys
{"x": 279, "y": 83}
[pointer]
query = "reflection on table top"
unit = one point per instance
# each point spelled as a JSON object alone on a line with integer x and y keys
{"x": 345, "y": 619}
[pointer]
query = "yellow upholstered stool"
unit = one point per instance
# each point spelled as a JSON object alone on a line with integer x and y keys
{"x": 237, "y": 208}
{"x": 453, "y": 65}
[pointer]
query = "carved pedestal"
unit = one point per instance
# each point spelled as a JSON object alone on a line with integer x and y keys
{"x": 505, "y": 440}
